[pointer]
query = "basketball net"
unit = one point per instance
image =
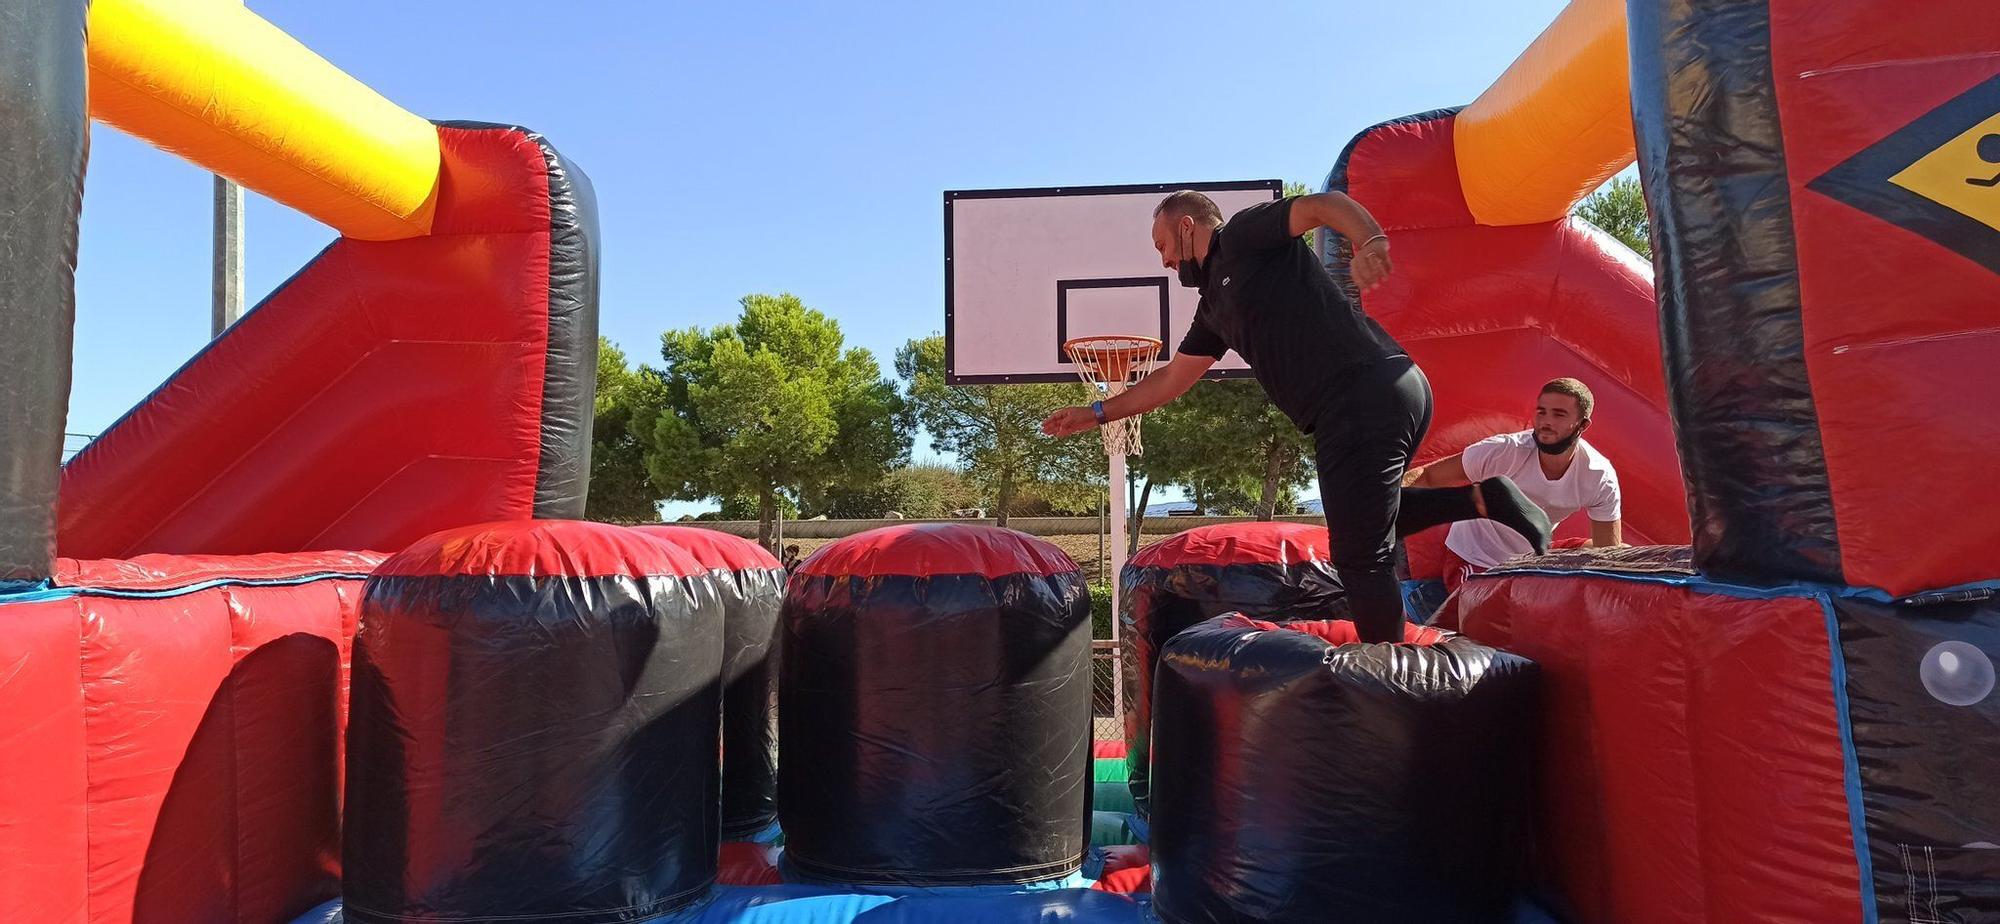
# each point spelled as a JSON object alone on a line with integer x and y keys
{"x": 1113, "y": 364}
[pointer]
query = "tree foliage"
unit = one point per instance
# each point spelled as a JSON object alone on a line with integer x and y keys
{"x": 995, "y": 430}
{"x": 1619, "y": 209}
{"x": 1229, "y": 447}
{"x": 621, "y": 489}
{"x": 775, "y": 404}
{"x": 923, "y": 491}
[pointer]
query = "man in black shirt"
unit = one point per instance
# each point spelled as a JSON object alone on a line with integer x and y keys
{"x": 1332, "y": 369}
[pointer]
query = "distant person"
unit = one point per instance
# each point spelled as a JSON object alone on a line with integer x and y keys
{"x": 1552, "y": 464}
{"x": 791, "y": 559}
{"x": 1332, "y": 369}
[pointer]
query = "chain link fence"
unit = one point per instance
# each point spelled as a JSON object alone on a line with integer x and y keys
{"x": 1107, "y": 692}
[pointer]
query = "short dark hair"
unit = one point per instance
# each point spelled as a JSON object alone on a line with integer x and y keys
{"x": 1574, "y": 389}
{"x": 1191, "y": 203}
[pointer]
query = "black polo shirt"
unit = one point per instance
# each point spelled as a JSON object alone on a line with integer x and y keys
{"x": 1268, "y": 298}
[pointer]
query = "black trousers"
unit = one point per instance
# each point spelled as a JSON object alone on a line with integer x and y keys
{"x": 1362, "y": 444}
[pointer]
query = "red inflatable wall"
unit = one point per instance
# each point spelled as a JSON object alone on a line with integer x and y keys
{"x": 172, "y": 732}
{"x": 1692, "y": 765}
{"x": 387, "y": 390}
{"x": 1491, "y": 313}
{"x": 1900, "y": 322}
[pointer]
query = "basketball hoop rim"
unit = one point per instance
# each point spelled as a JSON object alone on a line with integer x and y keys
{"x": 1120, "y": 343}
{"x": 1107, "y": 357}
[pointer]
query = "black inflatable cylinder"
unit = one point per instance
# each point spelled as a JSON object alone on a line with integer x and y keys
{"x": 934, "y": 709}
{"x": 1275, "y": 571}
{"x": 534, "y": 729}
{"x": 752, "y": 585}
{"x": 45, "y": 106}
{"x": 1301, "y": 777}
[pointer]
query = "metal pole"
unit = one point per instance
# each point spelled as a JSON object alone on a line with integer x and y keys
{"x": 226, "y": 252}
{"x": 1118, "y": 507}
{"x": 1100, "y": 538}
{"x": 226, "y": 301}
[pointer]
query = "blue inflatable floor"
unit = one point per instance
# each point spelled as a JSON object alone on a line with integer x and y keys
{"x": 803, "y": 904}
{"x": 800, "y": 904}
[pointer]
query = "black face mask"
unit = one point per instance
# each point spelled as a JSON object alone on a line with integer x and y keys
{"x": 1193, "y": 274}
{"x": 1559, "y": 446}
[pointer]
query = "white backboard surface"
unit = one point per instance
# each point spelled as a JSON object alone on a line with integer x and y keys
{"x": 1026, "y": 269}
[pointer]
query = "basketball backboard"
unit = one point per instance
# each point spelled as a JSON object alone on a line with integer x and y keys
{"x": 1027, "y": 269}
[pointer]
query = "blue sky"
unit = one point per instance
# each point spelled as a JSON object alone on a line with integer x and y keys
{"x": 801, "y": 147}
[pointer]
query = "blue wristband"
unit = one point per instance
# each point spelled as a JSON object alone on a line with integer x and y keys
{"x": 1097, "y": 408}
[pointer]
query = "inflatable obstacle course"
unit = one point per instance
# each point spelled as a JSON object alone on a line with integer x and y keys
{"x": 1792, "y": 722}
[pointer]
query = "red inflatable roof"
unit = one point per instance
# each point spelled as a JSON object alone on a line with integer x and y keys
{"x": 540, "y": 548}
{"x": 1237, "y": 544}
{"x": 715, "y": 549}
{"x": 924, "y": 549}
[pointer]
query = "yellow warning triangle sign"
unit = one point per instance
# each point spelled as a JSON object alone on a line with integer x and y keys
{"x": 1938, "y": 176}
{"x": 1962, "y": 175}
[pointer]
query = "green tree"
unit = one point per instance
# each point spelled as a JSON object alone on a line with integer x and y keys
{"x": 621, "y": 489}
{"x": 923, "y": 491}
{"x": 929, "y": 490}
{"x": 1619, "y": 209}
{"x": 773, "y": 405}
{"x": 1229, "y": 446}
{"x": 1075, "y": 493}
{"x": 995, "y": 430}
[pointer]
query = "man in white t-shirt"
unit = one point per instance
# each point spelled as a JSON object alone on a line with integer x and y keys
{"x": 1552, "y": 465}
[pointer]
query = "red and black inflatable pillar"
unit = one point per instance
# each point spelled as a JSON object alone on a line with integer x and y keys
{"x": 534, "y": 729}
{"x": 1301, "y": 777}
{"x": 45, "y": 108}
{"x": 945, "y": 667}
{"x": 752, "y": 585}
{"x": 1271, "y": 570}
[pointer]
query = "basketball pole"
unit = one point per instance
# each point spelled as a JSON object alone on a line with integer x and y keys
{"x": 1116, "y": 486}
{"x": 1118, "y": 537}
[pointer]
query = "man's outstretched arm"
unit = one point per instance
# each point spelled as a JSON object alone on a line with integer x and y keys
{"x": 1448, "y": 472}
{"x": 1153, "y": 391}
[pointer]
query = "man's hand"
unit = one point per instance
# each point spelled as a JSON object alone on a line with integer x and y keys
{"x": 1371, "y": 264}
{"x": 1069, "y": 421}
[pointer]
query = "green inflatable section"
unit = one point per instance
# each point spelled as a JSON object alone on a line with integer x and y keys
{"x": 1112, "y": 796}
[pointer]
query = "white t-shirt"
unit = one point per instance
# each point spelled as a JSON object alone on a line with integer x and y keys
{"x": 1589, "y": 484}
